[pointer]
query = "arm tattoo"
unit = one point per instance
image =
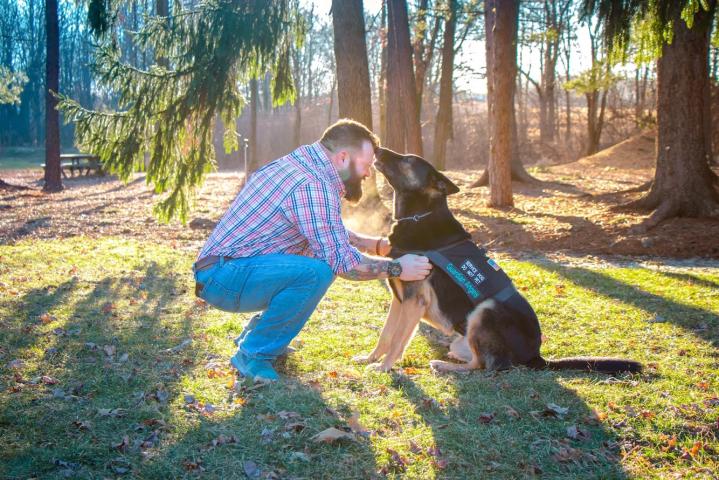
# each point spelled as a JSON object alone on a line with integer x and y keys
{"x": 362, "y": 243}
{"x": 368, "y": 269}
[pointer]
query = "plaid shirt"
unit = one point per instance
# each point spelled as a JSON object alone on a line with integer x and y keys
{"x": 291, "y": 206}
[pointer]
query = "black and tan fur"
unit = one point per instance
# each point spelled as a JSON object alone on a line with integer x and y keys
{"x": 494, "y": 335}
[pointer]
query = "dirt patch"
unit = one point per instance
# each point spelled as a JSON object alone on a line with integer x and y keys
{"x": 568, "y": 213}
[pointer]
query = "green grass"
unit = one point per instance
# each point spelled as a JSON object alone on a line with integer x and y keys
{"x": 12, "y": 158}
{"x": 137, "y": 298}
{"x": 21, "y": 157}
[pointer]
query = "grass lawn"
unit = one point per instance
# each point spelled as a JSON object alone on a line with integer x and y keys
{"x": 108, "y": 367}
{"x": 12, "y": 158}
{"x": 21, "y": 157}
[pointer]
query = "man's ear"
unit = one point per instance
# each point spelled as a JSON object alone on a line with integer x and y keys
{"x": 444, "y": 184}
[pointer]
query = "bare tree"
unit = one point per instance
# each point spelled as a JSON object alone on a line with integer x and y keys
{"x": 53, "y": 181}
{"x": 403, "y": 129}
{"x": 501, "y": 32}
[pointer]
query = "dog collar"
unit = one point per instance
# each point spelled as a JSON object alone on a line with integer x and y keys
{"x": 416, "y": 217}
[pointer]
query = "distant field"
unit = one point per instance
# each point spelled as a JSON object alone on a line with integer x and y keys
{"x": 12, "y": 158}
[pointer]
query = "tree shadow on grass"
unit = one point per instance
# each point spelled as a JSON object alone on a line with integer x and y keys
{"x": 703, "y": 323}
{"x": 499, "y": 425}
{"x": 115, "y": 401}
{"x": 94, "y": 378}
{"x": 268, "y": 434}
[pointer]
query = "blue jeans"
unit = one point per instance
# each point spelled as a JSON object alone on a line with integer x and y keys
{"x": 285, "y": 288}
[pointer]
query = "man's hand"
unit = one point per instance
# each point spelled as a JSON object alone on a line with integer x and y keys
{"x": 414, "y": 267}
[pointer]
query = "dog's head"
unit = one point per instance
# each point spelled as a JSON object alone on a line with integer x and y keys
{"x": 411, "y": 174}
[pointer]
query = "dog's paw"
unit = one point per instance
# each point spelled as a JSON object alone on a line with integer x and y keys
{"x": 379, "y": 367}
{"x": 438, "y": 366}
{"x": 364, "y": 359}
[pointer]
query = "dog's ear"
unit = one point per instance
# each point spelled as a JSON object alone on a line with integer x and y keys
{"x": 444, "y": 184}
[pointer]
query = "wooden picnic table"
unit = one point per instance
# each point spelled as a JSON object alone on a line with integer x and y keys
{"x": 79, "y": 162}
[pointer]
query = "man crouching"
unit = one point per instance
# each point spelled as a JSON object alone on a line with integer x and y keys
{"x": 282, "y": 242}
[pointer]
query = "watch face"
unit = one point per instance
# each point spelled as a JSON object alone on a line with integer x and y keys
{"x": 395, "y": 269}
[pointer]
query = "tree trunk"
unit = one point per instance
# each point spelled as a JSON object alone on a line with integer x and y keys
{"x": 443, "y": 125}
{"x": 423, "y": 51}
{"x": 382, "y": 83}
{"x": 332, "y": 100}
{"x": 162, "y": 10}
{"x": 684, "y": 185}
{"x": 254, "y": 100}
{"x": 298, "y": 101}
{"x": 403, "y": 129}
{"x": 353, "y": 88}
{"x": 53, "y": 182}
{"x": 501, "y": 32}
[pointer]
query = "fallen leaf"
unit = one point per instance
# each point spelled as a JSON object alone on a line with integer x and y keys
{"x": 108, "y": 307}
{"x": 692, "y": 452}
{"x": 251, "y": 469}
{"x": 511, "y": 412}
{"x": 109, "y": 350}
{"x": 397, "y": 463}
{"x": 82, "y": 425}
{"x": 576, "y": 433}
{"x": 185, "y": 343}
{"x": 285, "y": 415}
{"x": 16, "y": 364}
{"x": 111, "y": 412}
{"x": 486, "y": 417}
{"x": 414, "y": 448}
{"x": 557, "y": 410}
{"x": 567, "y": 454}
{"x": 46, "y": 318}
{"x": 355, "y": 425}
{"x": 223, "y": 440}
{"x": 331, "y": 435}
{"x": 47, "y": 380}
{"x": 122, "y": 445}
{"x": 151, "y": 440}
{"x": 191, "y": 465}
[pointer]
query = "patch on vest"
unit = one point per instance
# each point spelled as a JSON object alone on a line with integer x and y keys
{"x": 479, "y": 276}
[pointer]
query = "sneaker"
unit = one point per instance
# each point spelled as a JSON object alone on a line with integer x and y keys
{"x": 288, "y": 350}
{"x": 257, "y": 369}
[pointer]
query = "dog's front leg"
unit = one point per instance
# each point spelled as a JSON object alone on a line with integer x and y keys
{"x": 385, "y": 339}
{"x": 411, "y": 312}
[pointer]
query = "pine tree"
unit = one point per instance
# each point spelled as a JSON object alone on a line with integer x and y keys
{"x": 211, "y": 50}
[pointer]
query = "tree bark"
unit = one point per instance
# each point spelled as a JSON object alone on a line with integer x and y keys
{"x": 353, "y": 87}
{"x": 683, "y": 185}
{"x": 254, "y": 100}
{"x": 403, "y": 129}
{"x": 382, "y": 83}
{"x": 501, "y": 32}
{"x": 53, "y": 182}
{"x": 443, "y": 125}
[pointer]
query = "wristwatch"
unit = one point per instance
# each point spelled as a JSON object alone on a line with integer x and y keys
{"x": 394, "y": 269}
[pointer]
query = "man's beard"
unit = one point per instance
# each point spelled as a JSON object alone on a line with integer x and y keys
{"x": 353, "y": 185}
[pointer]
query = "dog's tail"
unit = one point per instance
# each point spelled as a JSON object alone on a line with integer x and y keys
{"x": 589, "y": 364}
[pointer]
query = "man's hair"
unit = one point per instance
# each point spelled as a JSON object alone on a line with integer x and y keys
{"x": 348, "y": 134}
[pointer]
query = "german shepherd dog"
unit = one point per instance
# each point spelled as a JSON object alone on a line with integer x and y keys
{"x": 497, "y": 333}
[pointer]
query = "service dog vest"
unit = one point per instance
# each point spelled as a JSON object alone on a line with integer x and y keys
{"x": 473, "y": 271}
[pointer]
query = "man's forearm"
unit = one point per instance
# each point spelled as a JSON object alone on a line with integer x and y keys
{"x": 368, "y": 269}
{"x": 368, "y": 245}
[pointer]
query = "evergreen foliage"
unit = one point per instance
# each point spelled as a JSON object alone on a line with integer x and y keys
{"x": 169, "y": 111}
{"x": 11, "y": 85}
{"x": 648, "y": 22}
